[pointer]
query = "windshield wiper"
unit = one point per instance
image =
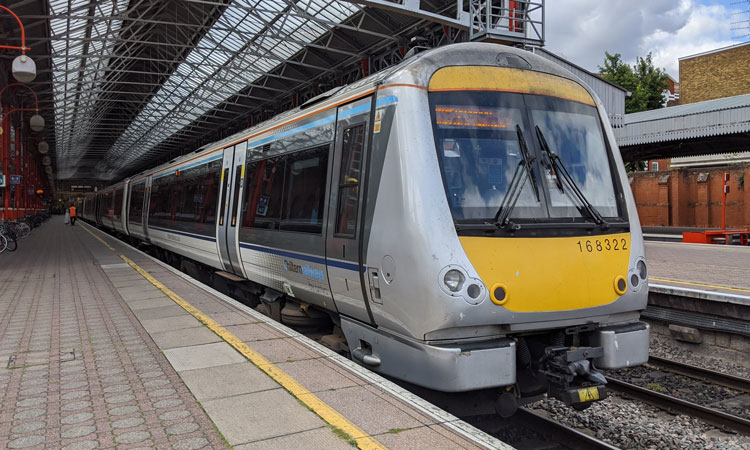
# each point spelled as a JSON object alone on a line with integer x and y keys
{"x": 560, "y": 171}
{"x": 517, "y": 183}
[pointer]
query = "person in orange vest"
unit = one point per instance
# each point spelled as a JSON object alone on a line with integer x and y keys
{"x": 72, "y": 215}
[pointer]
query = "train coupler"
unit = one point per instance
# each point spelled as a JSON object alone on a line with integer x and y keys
{"x": 572, "y": 377}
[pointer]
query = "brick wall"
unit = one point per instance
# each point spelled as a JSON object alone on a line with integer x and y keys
{"x": 716, "y": 75}
{"x": 663, "y": 164}
{"x": 691, "y": 197}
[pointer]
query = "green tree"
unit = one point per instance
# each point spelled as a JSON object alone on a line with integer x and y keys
{"x": 645, "y": 82}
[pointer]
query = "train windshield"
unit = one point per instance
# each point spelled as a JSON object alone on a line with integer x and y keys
{"x": 479, "y": 138}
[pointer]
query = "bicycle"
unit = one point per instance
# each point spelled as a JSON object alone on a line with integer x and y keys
{"x": 8, "y": 232}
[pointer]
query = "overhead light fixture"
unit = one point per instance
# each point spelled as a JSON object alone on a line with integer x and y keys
{"x": 23, "y": 69}
{"x": 36, "y": 122}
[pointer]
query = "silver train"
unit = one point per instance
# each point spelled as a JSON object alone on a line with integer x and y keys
{"x": 463, "y": 219}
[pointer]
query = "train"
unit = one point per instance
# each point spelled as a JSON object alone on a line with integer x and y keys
{"x": 463, "y": 220}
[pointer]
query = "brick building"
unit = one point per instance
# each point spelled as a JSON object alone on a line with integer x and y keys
{"x": 686, "y": 191}
{"x": 715, "y": 74}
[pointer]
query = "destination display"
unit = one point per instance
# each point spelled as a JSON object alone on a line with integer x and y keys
{"x": 461, "y": 116}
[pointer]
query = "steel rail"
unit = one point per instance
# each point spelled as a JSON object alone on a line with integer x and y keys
{"x": 570, "y": 437}
{"x": 699, "y": 373}
{"x": 725, "y": 421}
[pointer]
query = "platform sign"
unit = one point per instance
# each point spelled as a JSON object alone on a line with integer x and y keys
{"x": 15, "y": 179}
{"x": 2, "y": 180}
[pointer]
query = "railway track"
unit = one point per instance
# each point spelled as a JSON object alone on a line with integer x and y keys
{"x": 565, "y": 435}
{"x": 725, "y": 421}
{"x": 699, "y": 373}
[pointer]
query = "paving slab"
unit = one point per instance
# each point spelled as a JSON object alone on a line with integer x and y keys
{"x": 201, "y": 356}
{"x": 170, "y": 323}
{"x": 151, "y": 303}
{"x": 316, "y": 376}
{"x": 161, "y": 312}
{"x": 184, "y": 337}
{"x": 283, "y": 350}
{"x": 320, "y": 438}
{"x": 373, "y": 414}
{"x": 254, "y": 332}
{"x": 252, "y": 417}
{"x": 226, "y": 381}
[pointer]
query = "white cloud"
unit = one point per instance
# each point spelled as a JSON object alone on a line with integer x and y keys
{"x": 582, "y": 30}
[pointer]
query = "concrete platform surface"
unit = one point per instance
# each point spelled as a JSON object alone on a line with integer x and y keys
{"x": 97, "y": 354}
{"x": 710, "y": 272}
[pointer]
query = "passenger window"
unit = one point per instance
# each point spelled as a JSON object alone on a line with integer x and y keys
{"x": 304, "y": 191}
{"x": 118, "y": 203}
{"x": 264, "y": 193}
{"x": 135, "y": 214}
{"x": 349, "y": 179}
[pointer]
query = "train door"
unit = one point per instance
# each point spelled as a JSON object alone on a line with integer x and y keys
{"x": 343, "y": 259}
{"x": 232, "y": 175}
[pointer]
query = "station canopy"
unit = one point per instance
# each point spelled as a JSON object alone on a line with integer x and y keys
{"x": 128, "y": 84}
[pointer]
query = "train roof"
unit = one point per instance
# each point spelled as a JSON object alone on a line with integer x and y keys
{"x": 415, "y": 70}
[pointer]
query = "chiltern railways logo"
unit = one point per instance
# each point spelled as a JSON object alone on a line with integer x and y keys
{"x": 305, "y": 270}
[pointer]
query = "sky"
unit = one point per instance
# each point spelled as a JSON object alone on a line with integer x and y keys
{"x": 582, "y": 30}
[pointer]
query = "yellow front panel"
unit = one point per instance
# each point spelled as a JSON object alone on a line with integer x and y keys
{"x": 487, "y": 78}
{"x": 551, "y": 274}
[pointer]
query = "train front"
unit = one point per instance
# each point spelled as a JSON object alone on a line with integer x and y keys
{"x": 536, "y": 273}
{"x": 541, "y": 209}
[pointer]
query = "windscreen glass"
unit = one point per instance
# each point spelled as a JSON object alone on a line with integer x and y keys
{"x": 479, "y": 137}
{"x": 479, "y": 151}
{"x": 573, "y": 131}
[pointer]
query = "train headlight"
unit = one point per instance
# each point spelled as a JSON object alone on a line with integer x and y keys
{"x": 454, "y": 280}
{"x": 621, "y": 285}
{"x": 499, "y": 294}
{"x": 642, "y": 269}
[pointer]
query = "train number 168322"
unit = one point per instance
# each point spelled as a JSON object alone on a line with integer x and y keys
{"x": 601, "y": 245}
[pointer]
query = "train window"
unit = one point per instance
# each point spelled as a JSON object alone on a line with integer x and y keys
{"x": 159, "y": 212}
{"x": 135, "y": 212}
{"x": 349, "y": 176}
{"x": 117, "y": 207}
{"x": 186, "y": 200}
{"x": 304, "y": 190}
{"x": 223, "y": 199}
{"x": 261, "y": 207}
{"x": 236, "y": 195}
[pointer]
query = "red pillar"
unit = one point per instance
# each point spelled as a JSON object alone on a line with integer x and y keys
{"x": 5, "y": 157}
{"x": 703, "y": 206}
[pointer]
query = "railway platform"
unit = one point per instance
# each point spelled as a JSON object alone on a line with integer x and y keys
{"x": 103, "y": 346}
{"x": 702, "y": 286}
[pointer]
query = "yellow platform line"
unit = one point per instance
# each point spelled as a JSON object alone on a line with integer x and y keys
{"x": 699, "y": 284}
{"x": 325, "y": 412}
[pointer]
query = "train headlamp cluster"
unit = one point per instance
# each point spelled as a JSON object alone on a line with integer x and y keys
{"x": 637, "y": 275}
{"x": 457, "y": 282}
{"x": 642, "y": 269}
{"x": 454, "y": 280}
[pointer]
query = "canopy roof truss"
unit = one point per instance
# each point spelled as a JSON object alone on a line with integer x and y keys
{"x": 124, "y": 84}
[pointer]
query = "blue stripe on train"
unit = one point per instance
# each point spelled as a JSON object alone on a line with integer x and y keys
{"x": 192, "y": 235}
{"x": 309, "y": 258}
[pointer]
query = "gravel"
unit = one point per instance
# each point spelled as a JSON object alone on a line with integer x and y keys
{"x": 667, "y": 347}
{"x": 630, "y": 424}
{"x": 714, "y": 396}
